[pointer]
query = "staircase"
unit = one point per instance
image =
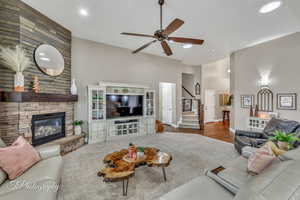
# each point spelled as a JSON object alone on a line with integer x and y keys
{"x": 190, "y": 120}
{"x": 192, "y": 112}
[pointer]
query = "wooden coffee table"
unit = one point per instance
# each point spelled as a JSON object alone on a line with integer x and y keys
{"x": 119, "y": 167}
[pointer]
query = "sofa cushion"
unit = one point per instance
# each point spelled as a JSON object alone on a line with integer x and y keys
{"x": 201, "y": 188}
{"x": 2, "y": 144}
{"x": 293, "y": 154}
{"x": 3, "y": 176}
{"x": 17, "y": 158}
{"x": 234, "y": 176}
{"x": 287, "y": 126}
{"x": 46, "y": 190}
{"x": 280, "y": 181}
{"x": 45, "y": 170}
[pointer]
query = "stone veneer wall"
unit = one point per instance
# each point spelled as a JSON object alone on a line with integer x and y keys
{"x": 21, "y": 24}
{"x": 15, "y": 118}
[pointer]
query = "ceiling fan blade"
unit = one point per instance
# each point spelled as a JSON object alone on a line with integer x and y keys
{"x": 176, "y": 24}
{"x": 143, "y": 47}
{"x": 166, "y": 48}
{"x": 186, "y": 40}
{"x": 139, "y": 35}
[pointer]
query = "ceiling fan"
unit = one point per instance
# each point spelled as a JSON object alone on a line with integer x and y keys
{"x": 162, "y": 35}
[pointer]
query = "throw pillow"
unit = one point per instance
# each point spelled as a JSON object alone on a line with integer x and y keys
{"x": 18, "y": 158}
{"x": 260, "y": 160}
{"x": 3, "y": 176}
{"x": 277, "y": 152}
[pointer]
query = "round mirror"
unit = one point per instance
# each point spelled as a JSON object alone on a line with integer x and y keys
{"x": 49, "y": 60}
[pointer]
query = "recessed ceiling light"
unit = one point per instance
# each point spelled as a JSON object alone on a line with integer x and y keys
{"x": 228, "y": 70}
{"x": 187, "y": 46}
{"x": 83, "y": 12}
{"x": 270, "y": 7}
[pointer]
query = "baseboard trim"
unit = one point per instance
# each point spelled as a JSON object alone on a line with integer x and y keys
{"x": 232, "y": 130}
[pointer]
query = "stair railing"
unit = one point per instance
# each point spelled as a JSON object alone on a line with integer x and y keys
{"x": 193, "y": 104}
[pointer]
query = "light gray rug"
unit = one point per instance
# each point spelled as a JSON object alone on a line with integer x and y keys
{"x": 192, "y": 154}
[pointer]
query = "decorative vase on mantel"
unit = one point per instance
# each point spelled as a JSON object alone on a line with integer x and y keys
{"x": 73, "y": 87}
{"x": 16, "y": 60}
{"x": 19, "y": 82}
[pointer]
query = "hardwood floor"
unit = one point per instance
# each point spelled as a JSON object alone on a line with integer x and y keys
{"x": 216, "y": 130}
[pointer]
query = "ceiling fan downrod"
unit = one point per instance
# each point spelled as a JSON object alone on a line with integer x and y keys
{"x": 161, "y": 3}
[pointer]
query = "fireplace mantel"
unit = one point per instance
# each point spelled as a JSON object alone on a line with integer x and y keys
{"x": 22, "y": 97}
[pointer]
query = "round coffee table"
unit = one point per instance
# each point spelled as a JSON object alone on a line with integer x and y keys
{"x": 119, "y": 167}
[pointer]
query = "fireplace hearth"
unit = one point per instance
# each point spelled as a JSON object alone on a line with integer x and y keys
{"x": 47, "y": 127}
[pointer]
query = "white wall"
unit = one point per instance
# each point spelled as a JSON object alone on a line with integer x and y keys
{"x": 93, "y": 62}
{"x": 281, "y": 59}
{"x": 215, "y": 76}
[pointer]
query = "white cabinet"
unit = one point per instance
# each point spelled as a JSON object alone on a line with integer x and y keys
{"x": 102, "y": 128}
{"x": 97, "y": 114}
{"x": 258, "y": 124}
{"x": 149, "y": 113}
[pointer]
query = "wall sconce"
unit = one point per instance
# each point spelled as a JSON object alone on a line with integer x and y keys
{"x": 264, "y": 82}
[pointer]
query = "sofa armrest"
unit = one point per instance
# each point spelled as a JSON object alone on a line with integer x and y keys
{"x": 251, "y": 134}
{"x": 49, "y": 151}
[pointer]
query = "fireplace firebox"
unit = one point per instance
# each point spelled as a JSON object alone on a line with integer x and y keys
{"x": 47, "y": 127}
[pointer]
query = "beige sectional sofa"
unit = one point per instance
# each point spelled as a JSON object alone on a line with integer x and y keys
{"x": 280, "y": 181}
{"x": 40, "y": 182}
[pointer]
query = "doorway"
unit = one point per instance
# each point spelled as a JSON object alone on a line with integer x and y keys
{"x": 210, "y": 106}
{"x": 167, "y": 99}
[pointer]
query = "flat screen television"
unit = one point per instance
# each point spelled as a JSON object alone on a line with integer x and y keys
{"x": 124, "y": 106}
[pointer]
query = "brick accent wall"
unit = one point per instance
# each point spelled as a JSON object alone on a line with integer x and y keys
{"x": 15, "y": 118}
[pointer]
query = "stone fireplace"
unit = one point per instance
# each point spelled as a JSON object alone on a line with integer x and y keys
{"x": 22, "y": 114}
{"x": 42, "y": 118}
{"x": 47, "y": 127}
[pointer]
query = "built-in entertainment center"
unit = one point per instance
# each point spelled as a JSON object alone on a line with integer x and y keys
{"x": 120, "y": 110}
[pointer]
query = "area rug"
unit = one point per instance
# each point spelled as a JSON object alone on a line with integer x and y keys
{"x": 192, "y": 155}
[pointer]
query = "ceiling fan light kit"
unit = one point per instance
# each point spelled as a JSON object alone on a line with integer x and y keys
{"x": 162, "y": 35}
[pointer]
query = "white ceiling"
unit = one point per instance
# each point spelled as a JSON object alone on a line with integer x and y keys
{"x": 226, "y": 25}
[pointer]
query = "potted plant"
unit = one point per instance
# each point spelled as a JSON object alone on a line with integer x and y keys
{"x": 17, "y": 61}
{"x": 285, "y": 141}
{"x": 140, "y": 152}
{"x": 77, "y": 127}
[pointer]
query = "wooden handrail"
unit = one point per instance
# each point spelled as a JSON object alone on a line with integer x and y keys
{"x": 188, "y": 92}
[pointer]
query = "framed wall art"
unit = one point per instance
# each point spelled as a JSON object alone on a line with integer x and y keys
{"x": 287, "y": 101}
{"x": 247, "y": 101}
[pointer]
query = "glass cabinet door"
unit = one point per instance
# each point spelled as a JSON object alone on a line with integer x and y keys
{"x": 97, "y": 98}
{"x": 149, "y": 101}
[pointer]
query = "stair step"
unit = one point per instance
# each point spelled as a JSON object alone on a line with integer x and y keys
{"x": 188, "y": 113}
{"x": 190, "y": 121}
{"x": 188, "y": 125}
{"x": 190, "y": 117}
